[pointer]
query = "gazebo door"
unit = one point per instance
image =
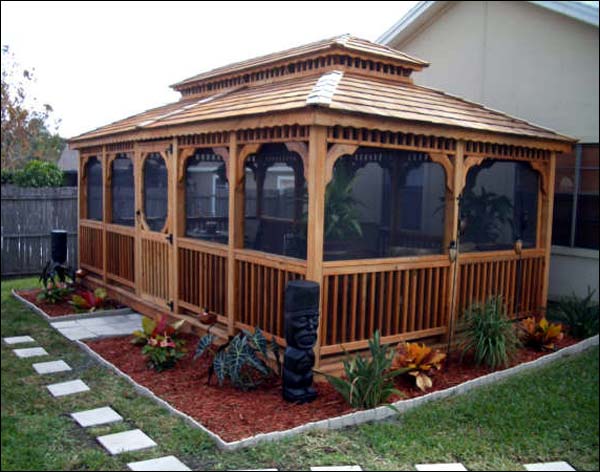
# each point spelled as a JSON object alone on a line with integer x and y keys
{"x": 153, "y": 223}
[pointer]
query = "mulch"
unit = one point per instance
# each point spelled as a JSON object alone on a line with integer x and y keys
{"x": 56, "y": 309}
{"x": 234, "y": 415}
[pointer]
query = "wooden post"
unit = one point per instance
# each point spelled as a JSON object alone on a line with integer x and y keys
{"x": 137, "y": 179}
{"x": 105, "y": 211}
{"x": 235, "y": 228}
{"x": 547, "y": 229}
{"x": 317, "y": 156}
{"x": 452, "y": 234}
{"x": 176, "y": 213}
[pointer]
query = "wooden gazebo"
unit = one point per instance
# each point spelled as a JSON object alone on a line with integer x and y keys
{"x": 218, "y": 200}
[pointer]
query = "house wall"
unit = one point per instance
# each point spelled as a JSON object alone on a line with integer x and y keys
{"x": 528, "y": 62}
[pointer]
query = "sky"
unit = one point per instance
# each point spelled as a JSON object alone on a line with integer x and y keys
{"x": 96, "y": 63}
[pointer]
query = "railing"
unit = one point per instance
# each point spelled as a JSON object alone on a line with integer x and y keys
{"x": 519, "y": 279}
{"x": 120, "y": 247}
{"x": 155, "y": 268}
{"x": 202, "y": 276}
{"x": 261, "y": 280}
{"x": 402, "y": 298}
{"x": 91, "y": 245}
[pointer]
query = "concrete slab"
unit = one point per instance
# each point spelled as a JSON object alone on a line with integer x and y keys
{"x": 18, "y": 340}
{"x": 440, "y": 467}
{"x": 336, "y": 467}
{"x": 162, "y": 463}
{"x": 96, "y": 417}
{"x": 126, "y": 441}
{"x": 51, "y": 367}
{"x": 67, "y": 388}
{"x": 76, "y": 333}
{"x": 30, "y": 352}
{"x": 549, "y": 466}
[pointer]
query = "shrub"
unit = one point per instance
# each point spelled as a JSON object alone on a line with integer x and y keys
{"x": 420, "y": 361}
{"x": 151, "y": 328}
{"x": 540, "y": 335}
{"x": 579, "y": 315}
{"x": 490, "y": 334}
{"x": 57, "y": 283}
{"x": 368, "y": 382}
{"x": 38, "y": 174}
{"x": 7, "y": 176}
{"x": 242, "y": 360}
{"x": 86, "y": 300}
{"x": 161, "y": 347}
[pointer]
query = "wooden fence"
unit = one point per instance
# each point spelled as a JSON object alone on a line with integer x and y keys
{"x": 28, "y": 216}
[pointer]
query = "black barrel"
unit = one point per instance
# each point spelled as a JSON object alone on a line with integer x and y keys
{"x": 59, "y": 246}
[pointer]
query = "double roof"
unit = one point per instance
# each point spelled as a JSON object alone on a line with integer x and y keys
{"x": 344, "y": 74}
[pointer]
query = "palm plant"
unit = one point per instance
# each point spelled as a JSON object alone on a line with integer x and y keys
{"x": 580, "y": 315}
{"x": 341, "y": 208}
{"x": 486, "y": 214}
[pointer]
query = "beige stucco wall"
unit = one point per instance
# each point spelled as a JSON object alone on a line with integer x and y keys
{"x": 516, "y": 57}
{"x": 529, "y": 62}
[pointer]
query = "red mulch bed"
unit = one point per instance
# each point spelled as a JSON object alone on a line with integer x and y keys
{"x": 57, "y": 309}
{"x": 235, "y": 415}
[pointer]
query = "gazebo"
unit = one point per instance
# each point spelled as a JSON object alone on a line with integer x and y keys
{"x": 323, "y": 162}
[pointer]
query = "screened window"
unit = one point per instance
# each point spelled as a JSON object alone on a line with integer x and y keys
{"x": 122, "y": 191}
{"x": 206, "y": 197}
{"x": 499, "y": 206}
{"x": 384, "y": 203}
{"x": 576, "y": 202}
{"x": 275, "y": 202}
{"x": 93, "y": 172}
{"x": 155, "y": 191}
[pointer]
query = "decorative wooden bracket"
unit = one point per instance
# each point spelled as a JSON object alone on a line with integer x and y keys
{"x": 543, "y": 168}
{"x": 470, "y": 162}
{"x": 301, "y": 149}
{"x": 244, "y": 152}
{"x": 184, "y": 155}
{"x": 335, "y": 152}
{"x": 443, "y": 160}
{"x": 223, "y": 152}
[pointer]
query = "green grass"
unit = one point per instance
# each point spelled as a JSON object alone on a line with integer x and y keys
{"x": 550, "y": 414}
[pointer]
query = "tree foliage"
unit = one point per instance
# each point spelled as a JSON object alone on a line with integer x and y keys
{"x": 26, "y": 128}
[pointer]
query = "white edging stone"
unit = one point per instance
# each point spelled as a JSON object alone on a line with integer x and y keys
{"x": 355, "y": 418}
{"x": 74, "y": 316}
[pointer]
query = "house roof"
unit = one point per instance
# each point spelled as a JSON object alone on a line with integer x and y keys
{"x": 423, "y": 11}
{"x": 343, "y": 91}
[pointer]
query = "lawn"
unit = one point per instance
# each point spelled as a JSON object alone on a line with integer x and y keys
{"x": 547, "y": 415}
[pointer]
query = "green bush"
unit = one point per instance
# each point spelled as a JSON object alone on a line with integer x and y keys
{"x": 37, "y": 174}
{"x": 490, "y": 334}
{"x": 7, "y": 176}
{"x": 580, "y": 315}
{"x": 368, "y": 381}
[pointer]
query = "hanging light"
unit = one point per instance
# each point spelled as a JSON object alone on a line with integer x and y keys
{"x": 452, "y": 251}
{"x": 519, "y": 246}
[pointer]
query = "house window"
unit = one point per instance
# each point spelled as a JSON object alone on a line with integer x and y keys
{"x": 499, "y": 206}
{"x": 384, "y": 203}
{"x": 206, "y": 197}
{"x": 122, "y": 191}
{"x": 576, "y": 201}
{"x": 155, "y": 191}
{"x": 94, "y": 184}
{"x": 275, "y": 202}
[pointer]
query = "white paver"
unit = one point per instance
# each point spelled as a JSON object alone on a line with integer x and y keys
{"x": 440, "y": 467}
{"x": 162, "y": 463}
{"x": 96, "y": 417}
{"x": 51, "y": 367}
{"x": 30, "y": 352}
{"x": 336, "y": 467}
{"x": 126, "y": 441}
{"x": 549, "y": 466}
{"x": 19, "y": 340}
{"x": 89, "y": 328}
{"x": 64, "y": 324}
{"x": 76, "y": 333}
{"x": 67, "y": 388}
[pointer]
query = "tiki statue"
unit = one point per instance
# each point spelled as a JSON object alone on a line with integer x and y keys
{"x": 301, "y": 322}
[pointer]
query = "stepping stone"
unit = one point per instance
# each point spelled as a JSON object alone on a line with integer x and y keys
{"x": 162, "y": 463}
{"x": 51, "y": 367}
{"x": 30, "y": 352}
{"x": 126, "y": 441}
{"x": 75, "y": 333}
{"x": 543, "y": 466}
{"x": 67, "y": 388}
{"x": 96, "y": 417}
{"x": 338, "y": 467}
{"x": 440, "y": 467}
{"x": 19, "y": 340}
